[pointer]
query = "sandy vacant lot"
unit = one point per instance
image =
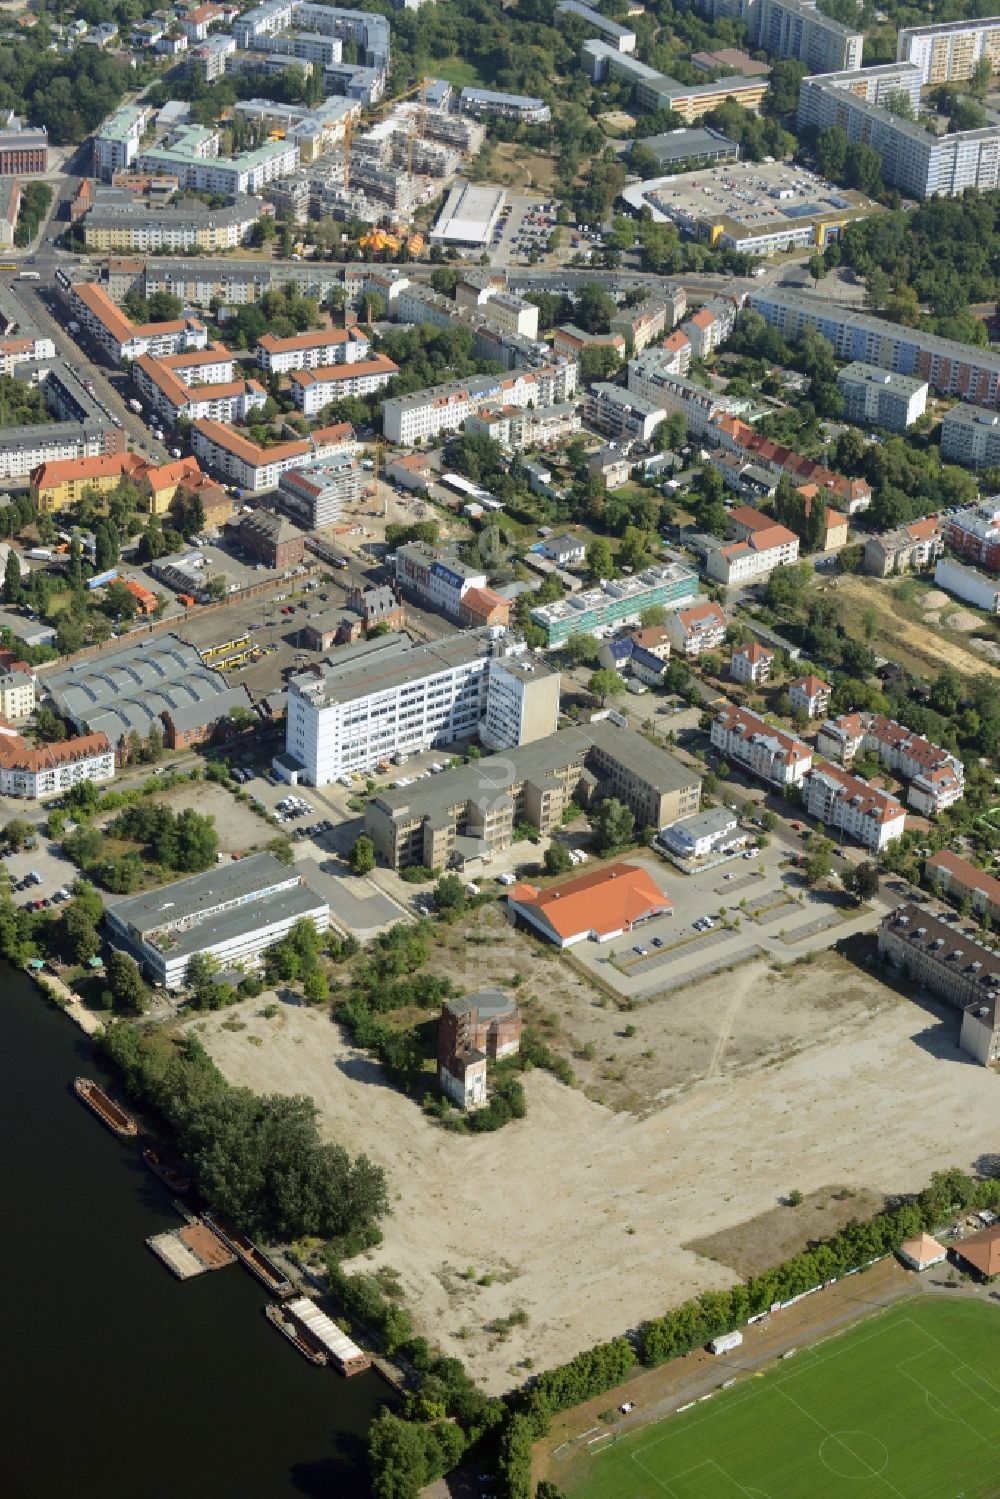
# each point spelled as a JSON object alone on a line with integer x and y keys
{"x": 900, "y": 638}
{"x": 578, "y": 1215}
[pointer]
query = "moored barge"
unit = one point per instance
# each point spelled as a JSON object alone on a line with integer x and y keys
{"x": 168, "y": 1171}
{"x": 256, "y": 1261}
{"x": 296, "y": 1334}
{"x": 345, "y": 1353}
{"x": 112, "y": 1114}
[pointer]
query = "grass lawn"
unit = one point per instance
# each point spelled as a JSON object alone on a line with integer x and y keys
{"x": 454, "y": 70}
{"x": 907, "y": 1404}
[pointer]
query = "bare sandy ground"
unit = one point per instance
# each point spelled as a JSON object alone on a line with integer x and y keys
{"x": 578, "y": 1215}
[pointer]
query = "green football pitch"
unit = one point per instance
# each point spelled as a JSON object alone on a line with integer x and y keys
{"x": 906, "y": 1405}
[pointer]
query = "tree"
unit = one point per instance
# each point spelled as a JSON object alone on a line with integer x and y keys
{"x": 362, "y": 855}
{"x": 581, "y": 650}
{"x": 605, "y": 683}
{"x": 196, "y": 843}
{"x": 598, "y": 362}
{"x": 556, "y": 859}
{"x": 12, "y": 591}
{"x": 81, "y": 918}
{"x": 864, "y": 880}
{"x": 449, "y": 893}
{"x": 17, "y": 832}
{"x": 635, "y": 548}
{"x": 819, "y": 864}
{"x": 201, "y": 970}
{"x": 863, "y": 168}
{"x": 600, "y": 561}
{"x": 594, "y": 308}
{"x": 128, "y": 992}
{"x": 315, "y": 986}
{"x": 612, "y": 826}
{"x": 47, "y": 726}
{"x": 397, "y": 1457}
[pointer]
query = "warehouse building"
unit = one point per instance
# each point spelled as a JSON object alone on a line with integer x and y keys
{"x": 469, "y": 216}
{"x": 598, "y": 906}
{"x": 231, "y": 913}
{"x": 160, "y": 681}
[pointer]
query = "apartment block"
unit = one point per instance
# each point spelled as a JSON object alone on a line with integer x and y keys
{"x": 915, "y": 546}
{"x": 310, "y": 351}
{"x": 517, "y": 427}
{"x": 951, "y": 964}
{"x": 316, "y": 494}
{"x": 314, "y": 389}
{"x": 874, "y": 397}
{"x": 767, "y": 752}
{"x": 914, "y": 159}
{"x": 171, "y": 397}
{"x": 956, "y": 878}
{"x": 427, "y": 414}
{"x": 701, "y": 628}
{"x": 970, "y": 435}
{"x": 796, "y": 28}
{"x": 387, "y": 698}
{"x": 809, "y": 695}
{"x": 760, "y": 547}
{"x": 617, "y": 601}
{"x": 483, "y": 102}
{"x": 17, "y": 694}
{"x": 936, "y": 778}
{"x": 243, "y": 462}
{"x": 975, "y": 534}
{"x": 435, "y": 576}
{"x": 948, "y": 51}
{"x": 751, "y": 663}
{"x": 117, "y": 142}
{"x": 622, "y": 413}
{"x": 471, "y": 811}
{"x": 840, "y": 800}
{"x": 643, "y": 325}
{"x": 120, "y": 338}
{"x": 193, "y": 157}
{"x": 33, "y": 773}
{"x": 969, "y": 584}
{"x": 120, "y": 223}
{"x": 649, "y": 378}
{"x": 952, "y": 368}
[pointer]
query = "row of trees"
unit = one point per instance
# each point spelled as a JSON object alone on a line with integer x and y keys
{"x": 696, "y": 1322}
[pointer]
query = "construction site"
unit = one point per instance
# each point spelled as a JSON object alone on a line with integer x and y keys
{"x": 378, "y": 169}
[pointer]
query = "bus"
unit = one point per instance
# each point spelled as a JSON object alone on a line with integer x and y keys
{"x": 28, "y": 276}
{"x": 8, "y": 265}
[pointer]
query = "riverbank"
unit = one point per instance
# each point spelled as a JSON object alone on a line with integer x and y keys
{"x": 233, "y": 1402}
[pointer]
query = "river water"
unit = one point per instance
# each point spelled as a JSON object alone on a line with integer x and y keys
{"x": 116, "y": 1379}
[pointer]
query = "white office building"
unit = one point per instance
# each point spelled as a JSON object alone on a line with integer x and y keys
{"x": 386, "y": 698}
{"x": 968, "y": 583}
{"x": 231, "y": 912}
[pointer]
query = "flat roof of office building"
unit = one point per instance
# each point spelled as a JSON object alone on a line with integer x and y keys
{"x": 393, "y": 662}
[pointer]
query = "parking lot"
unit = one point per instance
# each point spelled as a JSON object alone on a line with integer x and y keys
{"x": 722, "y": 917}
{"x": 525, "y": 225}
{"x": 56, "y": 870}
